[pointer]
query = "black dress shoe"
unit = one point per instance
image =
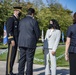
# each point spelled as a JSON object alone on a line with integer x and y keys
{"x": 13, "y": 74}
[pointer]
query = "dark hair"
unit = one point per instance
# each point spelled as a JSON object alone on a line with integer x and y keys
{"x": 30, "y": 11}
{"x": 55, "y": 24}
{"x": 74, "y": 20}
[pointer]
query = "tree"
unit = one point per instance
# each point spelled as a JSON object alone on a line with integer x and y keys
{"x": 55, "y": 11}
{"x": 43, "y": 13}
{"x": 38, "y": 3}
{"x": 5, "y": 12}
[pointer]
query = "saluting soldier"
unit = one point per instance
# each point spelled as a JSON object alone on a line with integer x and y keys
{"x": 12, "y": 33}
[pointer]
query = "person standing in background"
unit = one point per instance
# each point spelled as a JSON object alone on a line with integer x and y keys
{"x": 12, "y": 34}
{"x": 51, "y": 42}
{"x": 29, "y": 34}
{"x": 70, "y": 50}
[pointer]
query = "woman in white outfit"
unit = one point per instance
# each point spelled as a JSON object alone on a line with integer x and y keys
{"x": 50, "y": 45}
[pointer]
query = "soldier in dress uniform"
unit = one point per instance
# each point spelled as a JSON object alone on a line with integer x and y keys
{"x": 12, "y": 33}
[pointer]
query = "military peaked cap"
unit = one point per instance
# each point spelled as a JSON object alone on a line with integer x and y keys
{"x": 17, "y": 7}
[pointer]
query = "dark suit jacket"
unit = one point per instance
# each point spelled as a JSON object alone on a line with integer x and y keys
{"x": 29, "y": 32}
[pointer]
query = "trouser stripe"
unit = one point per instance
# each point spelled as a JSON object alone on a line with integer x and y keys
{"x": 9, "y": 57}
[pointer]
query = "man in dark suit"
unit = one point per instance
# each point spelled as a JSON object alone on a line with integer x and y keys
{"x": 29, "y": 34}
{"x": 12, "y": 33}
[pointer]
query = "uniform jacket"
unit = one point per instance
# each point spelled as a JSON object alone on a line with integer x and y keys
{"x": 12, "y": 28}
{"x": 29, "y": 32}
{"x": 52, "y": 39}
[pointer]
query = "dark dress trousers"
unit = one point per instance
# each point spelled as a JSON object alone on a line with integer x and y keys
{"x": 29, "y": 34}
{"x": 12, "y": 33}
{"x": 71, "y": 33}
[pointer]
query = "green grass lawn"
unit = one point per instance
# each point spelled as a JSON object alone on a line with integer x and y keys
{"x": 3, "y": 57}
{"x": 3, "y": 46}
{"x": 60, "y": 62}
{"x": 39, "y": 55}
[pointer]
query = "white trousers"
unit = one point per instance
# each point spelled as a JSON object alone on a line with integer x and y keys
{"x": 49, "y": 58}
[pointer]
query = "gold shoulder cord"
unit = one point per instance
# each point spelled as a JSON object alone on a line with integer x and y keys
{"x": 9, "y": 57}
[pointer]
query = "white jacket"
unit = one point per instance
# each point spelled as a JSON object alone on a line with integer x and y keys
{"x": 52, "y": 39}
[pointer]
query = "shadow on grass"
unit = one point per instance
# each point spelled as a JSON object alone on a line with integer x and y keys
{"x": 59, "y": 71}
{"x": 39, "y": 69}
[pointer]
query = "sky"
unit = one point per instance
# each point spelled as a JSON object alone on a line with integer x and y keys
{"x": 68, "y": 4}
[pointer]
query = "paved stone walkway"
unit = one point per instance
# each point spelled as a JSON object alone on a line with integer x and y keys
{"x": 37, "y": 70}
